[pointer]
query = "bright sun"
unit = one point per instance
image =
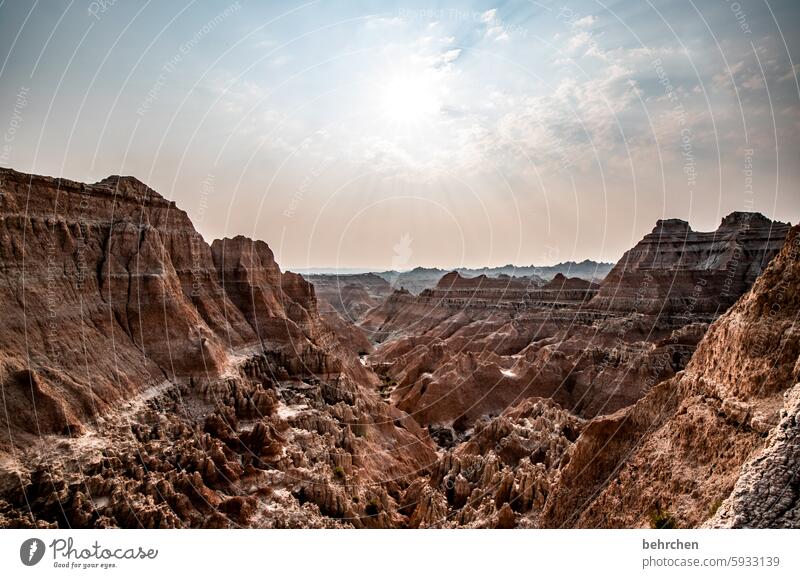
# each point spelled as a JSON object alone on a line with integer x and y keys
{"x": 410, "y": 99}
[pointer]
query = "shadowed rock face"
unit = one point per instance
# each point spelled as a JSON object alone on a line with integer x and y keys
{"x": 675, "y": 268}
{"x": 471, "y": 347}
{"x": 679, "y": 451}
{"x": 151, "y": 380}
{"x": 116, "y": 312}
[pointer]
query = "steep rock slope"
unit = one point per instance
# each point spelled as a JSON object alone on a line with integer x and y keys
{"x": 674, "y": 269}
{"x": 767, "y": 493}
{"x": 471, "y": 347}
{"x": 676, "y": 455}
{"x": 126, "y": 331}
{"x": 107, "y": 288}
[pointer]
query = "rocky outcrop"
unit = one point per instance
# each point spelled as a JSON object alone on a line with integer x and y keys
{"x": 244, "y": 451}
{"x": 176, "y": 368}
{"x": 421, "y": 278}
{"x": 471, "y": 347}
{"x": 676, "y": 455}
{"x": 350, "y": 295}
{"x": 120, "y": 293}
{"x": 344, "y": 300}
{"x": 151, "y": 380}
{"x": 767, "y": 493}
{"x": 675, "y": 270}
{"x": 107, "y": 289}
{"x": 501, "y": 476}
{"x": 454, "y": 281}
{"x": 562, "y": 283}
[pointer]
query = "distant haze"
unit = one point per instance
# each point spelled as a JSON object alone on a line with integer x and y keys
{"x": 389, "y": 135}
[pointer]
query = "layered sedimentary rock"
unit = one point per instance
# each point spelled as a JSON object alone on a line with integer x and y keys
{"x": 675, "y": 457}
{"x": 677, "y": 270}
{"x": 350, "y": 295}
{"x": 151, "y": 380}
{"x": 107, "y": 289}
{"x": 421, "y": 278}
{"x": 199, "y": 383}
{"x": 471, "y": 347}
{"x": 343, "y": 302}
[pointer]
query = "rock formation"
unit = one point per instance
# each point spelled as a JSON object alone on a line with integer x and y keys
{"x": 675, "y": 269}
{"x": 675, "y": 456}
{"x": 766, "y": 494}
{"x": 350, "y": 295}
{"x": 152, "y": 380}
{"x": 421, "y": 278}
{"x": 472, "y": 346}
{"x": 189, "y": 376}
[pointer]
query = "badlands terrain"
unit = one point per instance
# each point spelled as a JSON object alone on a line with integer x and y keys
{"x": 151, "y": 379}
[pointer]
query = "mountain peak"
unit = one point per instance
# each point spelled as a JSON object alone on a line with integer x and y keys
{"x": 127, "y": 185}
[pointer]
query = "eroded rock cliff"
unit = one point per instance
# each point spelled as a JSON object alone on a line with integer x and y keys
{"x": 676, "y": 455}
{"x": 152, "y": 380}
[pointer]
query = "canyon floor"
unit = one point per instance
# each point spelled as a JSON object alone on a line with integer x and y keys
{"x": 150, "y": 379}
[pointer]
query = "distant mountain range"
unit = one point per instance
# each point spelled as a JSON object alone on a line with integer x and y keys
{"x": 421, "y": 278}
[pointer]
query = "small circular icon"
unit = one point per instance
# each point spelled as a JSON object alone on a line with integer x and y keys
{"x": 31, "y": 552}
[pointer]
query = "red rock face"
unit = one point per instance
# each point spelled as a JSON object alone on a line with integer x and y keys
{"x": 152, "y": 380}
{"x": 472, "y": 347}
{"x": 677, "y": 453}
{"x": 675, "y": 270}
{"x": 97, "y": 291}
{"x": 110, "y": 289}
{"x": 118, "y": 312}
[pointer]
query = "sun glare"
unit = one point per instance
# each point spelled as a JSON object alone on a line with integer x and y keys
{"x": 410, "y": 99}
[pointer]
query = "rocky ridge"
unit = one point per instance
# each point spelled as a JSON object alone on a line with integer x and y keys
{"x": 153, "y": 380}
{"x": 226, "y": 374}
{"x": 674, "y": 457}
{"x": 471, "y": 347}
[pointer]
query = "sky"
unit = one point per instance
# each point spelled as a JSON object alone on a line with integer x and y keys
{"x": 389, "y": 135}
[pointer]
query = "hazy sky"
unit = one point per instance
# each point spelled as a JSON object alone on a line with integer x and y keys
{"x": 396, "y": 134}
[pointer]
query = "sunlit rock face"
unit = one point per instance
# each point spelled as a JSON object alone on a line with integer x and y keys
{"x": 152, "y": 380}
{"x": 177, "y": 374}
{"x": 715, "y": 441}
{"x": 675, "y": 270}
{"x": 471, "y": 347}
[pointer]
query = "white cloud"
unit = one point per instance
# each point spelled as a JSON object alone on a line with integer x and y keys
{"x": 585, "y": 22}
{"x": 578, "y": 41}
{"x": 378, "y": 22}
{"x": 497, "y": 33}
{"x": 451, "y": 55}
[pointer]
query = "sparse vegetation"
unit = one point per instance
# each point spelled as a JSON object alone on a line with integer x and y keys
{"x": 714, "y": 507}
{"x": 662, "y": 520}
{"x": 373, "y": 507}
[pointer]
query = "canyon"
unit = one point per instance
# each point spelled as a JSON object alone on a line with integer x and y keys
{"x": 151, "y": 379}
